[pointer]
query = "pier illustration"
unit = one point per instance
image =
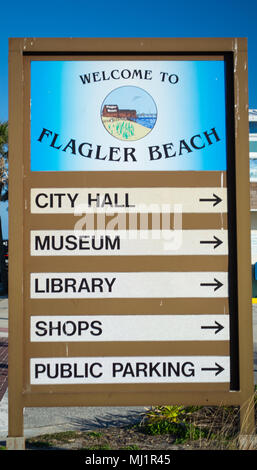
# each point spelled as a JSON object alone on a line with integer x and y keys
{"x": 133, "y": 122}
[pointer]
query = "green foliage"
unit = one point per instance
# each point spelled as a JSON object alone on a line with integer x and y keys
{"x": 3, "y": 138}
{"x": 174, "y": 413}
{"x": 130, "y": 447}
{"x": 97, "y": 447}
{"x": 171, "y": 420}
{"x": 94, "y": 434}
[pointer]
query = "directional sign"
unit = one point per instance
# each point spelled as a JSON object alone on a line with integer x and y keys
{"x": 104, "y": 200}
{"x": 215, "y": 200}
{"x": 119, "y": 285}
{"x": 215, "y": 242}
{"x": 129, "y": 223}
{"x": 217, "y": 327}
{"x": 216, "y": 284}
{"x": 128, "y": 242}
{"x": 129, "y": 328}
{"x": 99, "y": 328}
{"x": 153, "y": 369}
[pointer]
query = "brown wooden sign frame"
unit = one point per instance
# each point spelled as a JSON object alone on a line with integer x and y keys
{"x": 21, "y": 264}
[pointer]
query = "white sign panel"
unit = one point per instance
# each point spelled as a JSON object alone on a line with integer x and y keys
{"x": 98, "y": 328}
{"x": 104, "y": 370}
{"x": 129, "y": 284}
{"x": 110, "y": 200}
{"x": 128, "y": 242}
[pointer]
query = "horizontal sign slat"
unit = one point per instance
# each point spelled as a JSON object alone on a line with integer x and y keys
{"x": 129, "y": 285}
{"x": 128, "y": 242}
{"x": 97, "y": 328}
{"x": 156, "y": 369}
{"x": 144, "y": 200}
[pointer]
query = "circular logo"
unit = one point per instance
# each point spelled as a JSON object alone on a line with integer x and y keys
{"x": 129, "y": 113}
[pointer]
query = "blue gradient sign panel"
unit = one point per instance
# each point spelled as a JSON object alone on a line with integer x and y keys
{"x": 128, "y": 115}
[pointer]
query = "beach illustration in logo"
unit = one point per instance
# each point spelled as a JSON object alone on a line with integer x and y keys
{"x": 129, "y": 113}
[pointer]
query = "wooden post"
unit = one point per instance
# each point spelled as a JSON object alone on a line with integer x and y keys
{"x": 247, "y": 425}
{"x": 15, "y": 345}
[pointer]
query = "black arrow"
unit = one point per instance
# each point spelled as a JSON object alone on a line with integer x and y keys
{"x": 218, "y": 368}
{"x": 216, "y": 200}
{"x": 218, "y": 327}
{"x": 217, "y": 284}
{"x": 216, "y": 242}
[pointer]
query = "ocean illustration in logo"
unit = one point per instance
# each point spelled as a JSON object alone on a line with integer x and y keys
{"x": 129, "y": 113}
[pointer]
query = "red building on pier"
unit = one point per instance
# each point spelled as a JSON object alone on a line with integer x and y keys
{"x": 113, "y": 111}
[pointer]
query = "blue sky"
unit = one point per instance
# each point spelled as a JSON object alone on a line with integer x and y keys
{"x": 162, "y": 18}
